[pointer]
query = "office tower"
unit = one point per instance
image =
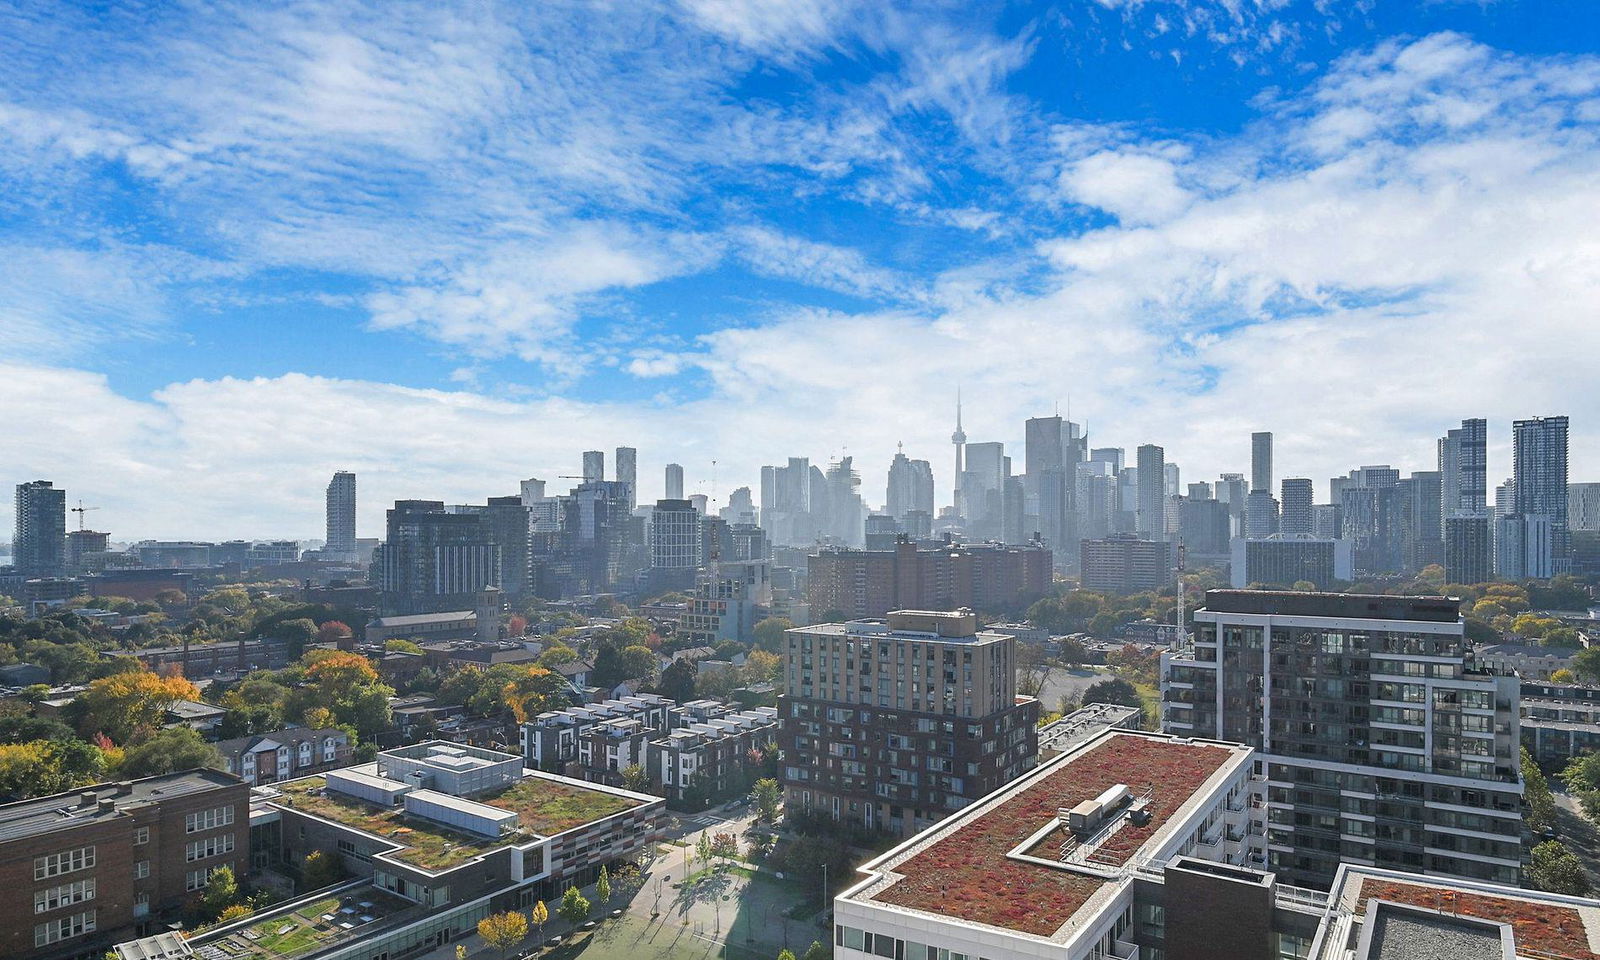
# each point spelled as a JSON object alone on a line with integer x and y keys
{"x": 594, "y": 466}
{"x": 1097, "y": 500}
{"x": 1124, "y": 564}
{"x": 109, "y": 862}
{"x": 910, "y": 487}
{"x": 1261, "y": 461}
{"x": 1327, "y": 521}
{"x": 38, "y": 547}
{"x": 1127, "y": 519}
{"x": 1295, "y": 518}
{"x": 1260, "y": 514}
{"x": 1583, "y": 506}
{"x": 741, "y": 508}
{"x": 341, "y": 515}
{"x": 1231, "y": 489}
{"x": 1150, "y": 518}
{"x": 532, "y": 491}
{"x": 1422, "y": 542}
{"x": 436, "y": 558}
{"x": 959, "y": 439}
{"x": 1112, "y": 455}
{"x": 674, "y": 480}
{"x": 1468, "y": 549}
{"x": 950, "y": 734}
{"x": 1200, "y": 491}
{"x": 1170, "y": 481}
{"x": 1016, "y": 521}
{"x": 1373, "y": 518}
{"x": 1045, "y": 477}
{"x": 1279, "y": 561}
{"x": 870, "y": 583}
{"x": 594, "y": 545}
{"x": 1539, "y": 469}
{"x": 675, "y": 537}
{"x": 628, "y": 473}
{"x": 1203, "y": 528}
{"x": 983, "y": 490}
{"x": 1381, "y": 741}
{"x": 786, "y": 502}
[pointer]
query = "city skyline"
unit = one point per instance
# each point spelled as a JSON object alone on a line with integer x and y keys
{"x": 780, "y": 229}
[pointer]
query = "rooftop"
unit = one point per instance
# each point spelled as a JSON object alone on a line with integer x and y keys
{"x": 417, "y": 619}
{"x": 102, "y": 802}
{"x": 968, "y": 867}
{"x": 544, "y": 806}
{"x": 1542, "y": 925}
{"x": 307, "y": 926}
{"x": 1291, "y": 603}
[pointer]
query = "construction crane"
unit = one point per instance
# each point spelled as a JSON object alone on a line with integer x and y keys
{"x": 80, "y": 510}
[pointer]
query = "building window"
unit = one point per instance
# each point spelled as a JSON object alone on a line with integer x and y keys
{"x": 63, "y": 896}
{"x": 209, "y": 847}
{"x": 68, "y": 861}
{"x": 141, "y": 869}
{"x": 196, "y": 879}
{"x": 208, "y": 819}
{"x": 63, "y": 929}
{"x": 141, "y": 836}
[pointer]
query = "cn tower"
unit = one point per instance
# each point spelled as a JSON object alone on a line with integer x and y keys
{"x": 959, "y": 438}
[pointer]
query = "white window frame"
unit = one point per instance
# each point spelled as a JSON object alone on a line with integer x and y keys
{"x": 208, "y": 847}
{"x": 63, "y": 928}
{"x": 67, "y": 861}
{"x": 208, "y": 819}
{"x": 141, "y": 836}
{"x": 141, "y": 869}
{"x": 66, "y": 895}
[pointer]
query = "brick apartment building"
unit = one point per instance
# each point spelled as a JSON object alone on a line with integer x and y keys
{"x": 870, "y": 583}
{"x": 894, "y": 723}
{"x": 282, "y": 754}
{"x": 81, "y": 870}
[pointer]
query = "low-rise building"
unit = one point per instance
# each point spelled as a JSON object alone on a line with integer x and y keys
{"x": 708, "y": 757}
{"x": 1530, "y": 661}
{"x": 424, "y": 628}
{"x": 552, "y": 740}
{"x": 445, "y": 825}
{"x": 282, "y": 754}
{"x": 1560, "y": 721}
{"x": 81, "y": 870}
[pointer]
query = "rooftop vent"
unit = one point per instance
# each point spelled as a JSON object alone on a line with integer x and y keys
{"x": 1087, "y": 816}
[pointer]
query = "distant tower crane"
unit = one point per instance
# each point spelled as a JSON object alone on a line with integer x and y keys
{"x": 80, "y": 510}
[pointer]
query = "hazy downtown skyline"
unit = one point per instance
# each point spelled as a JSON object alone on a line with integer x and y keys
{"x": 451, "y": 248}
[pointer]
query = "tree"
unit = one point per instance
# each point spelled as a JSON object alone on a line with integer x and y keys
{"x": 169, "y": 751}
{"x": 1073, "y": 652}
{"x": 678, "y": 681}
{"x": 221, "y": 891}
{"x": 785, "y": 954}
{"x": 1565, "y": 637}
{"x": 401, "y": 645}
{"x": 42, "y": 767}
{"x": 769, "y": 633}
{"x": 557, "y": 653}
{"x": 635, "y": 778}
{"x": 602, "y": 886}
{"x": 1536, "y": 790}
{"x": 123, "y": 703}
{"x": 236, "y": 912}
{"x": 503, "y": 931}
{"x": 1563, "y": 676}
{"x": 540, "y": 915}
{"x": 532, "y": 691}
{"x": 1112, "y": 690}
{"x": 320, "y": 869}
{"x": 333, "y": 631}
{"x": 1555, "y": 869}
{"x": 762, "y": 667}
{"x": 816, "y": 952}
{"x": 702, "y": 848}
{"x": 574, "y": 906}
{"x": 768, "y": 794}
{"x": 298, "y": 633}
{"x": 1586, "y": 663}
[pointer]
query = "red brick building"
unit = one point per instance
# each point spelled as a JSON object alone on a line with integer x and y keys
{"x": 869, "y": 583}
{"x": 80, "y": 871}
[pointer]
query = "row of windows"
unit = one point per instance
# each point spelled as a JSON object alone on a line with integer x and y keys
{"x": 65, "y": 895}
{"x": 67, "y": 861}
{"x": 208, "y": 819}
{"x": 209, "y": 847}
{"x": 197, "y": 879}
{"x": 891, "y": 949}
{"x": 65, "y": 928}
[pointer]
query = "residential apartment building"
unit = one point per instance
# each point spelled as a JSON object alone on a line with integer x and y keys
{"x": 81, "y": 870}
{"x": 1138, "y": 847}
{"x": 296, "y": 752}
{"x": 708, "y": 757}
{"x": 1285, "y": 561}
{"x": 551, "y": 740}
{"x": 870, "y": 583}
{"x": 1124, "y": 564}
{"x": 1560, "y": 721}
{"x": 894, "y": 723}
{"x": 1384, "y": 742}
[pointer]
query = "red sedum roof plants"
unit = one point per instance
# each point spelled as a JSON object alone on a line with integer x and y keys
{"x": 1550, "y": 929}
{"x": 967, "y": 875}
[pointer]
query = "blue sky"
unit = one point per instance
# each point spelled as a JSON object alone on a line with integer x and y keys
{"x": 450, "y": 246}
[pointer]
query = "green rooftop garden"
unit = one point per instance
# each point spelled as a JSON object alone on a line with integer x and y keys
{"x": 543, "y": 807}
{"x": 308, "y": 927}
{"x": 549, "y": 807}
{"x": 426, "y": 844}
